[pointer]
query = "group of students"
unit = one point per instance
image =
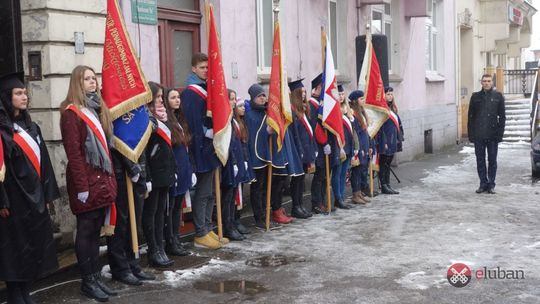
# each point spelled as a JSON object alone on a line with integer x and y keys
{"x": 179, "y": 156}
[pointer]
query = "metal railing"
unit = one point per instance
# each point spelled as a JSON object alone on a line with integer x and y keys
{"x": 519, "y": 81}
{"x": 535, "y": 106}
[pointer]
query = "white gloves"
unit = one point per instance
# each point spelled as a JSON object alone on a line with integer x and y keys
{"x": 246, "y": 165}
{"x": 136, "y": 177}
{"x": 327, "y": 150}
{"x": 83, "y": 196}
{"x": 235, "y": 169}
{"x": 193, "y": 179}
{"x": 209, "y": 133}
{"x": 355, "y": 152}
{"x": 316, "y": 154}
{"x": 148, "y": 187}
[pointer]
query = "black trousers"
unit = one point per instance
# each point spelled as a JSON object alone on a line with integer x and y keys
{"x": 173, "y": 218}
{"x": 153, "y": 218}
{"x": 119, "y": 249}
{"x": 318, "y": 186}
{"x": 87, "y": 240}
{"x": 384, "y": 168}
{"x": 277, "y": 191}
{"x": 486, "y": 175}
{"x": 297, "y": 189}
{"x": 228, "y": 207}
{"x": 256, "y": 198}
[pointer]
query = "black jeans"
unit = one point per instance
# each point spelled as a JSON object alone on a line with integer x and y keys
{"x": 87, "y": 240}
{"x": 384, "y": 168}
{"x": 257, "y": 189}
{"x": 153, "y": 218}
{"x": 487, "y": 177}
{"x": 277, "y": 191}
{"x": 173, "y": 218}
{"x": 119, "y": 250}
{"x": 203, "y": 203}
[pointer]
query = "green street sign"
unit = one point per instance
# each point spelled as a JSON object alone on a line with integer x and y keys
{"x": 144, "y": 11}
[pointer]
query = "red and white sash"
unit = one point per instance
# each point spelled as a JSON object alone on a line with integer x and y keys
{"x": 29, "y": 146}
{"x": 307, "y": 126}
{"x": 164, "y": 132}
{"x": 347, "y": 123}
{"x": 238, "y": 201}
{"x": 314, "y": 102}
{"x": 91, "y": 121}
{"x": 198, "y": 90}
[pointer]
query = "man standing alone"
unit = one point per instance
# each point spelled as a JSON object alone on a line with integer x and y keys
{"x": 486, "y": 128}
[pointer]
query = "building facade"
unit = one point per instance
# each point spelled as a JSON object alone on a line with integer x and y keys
{"x": 423, "y": 66}
{"x": 490, "y": 35}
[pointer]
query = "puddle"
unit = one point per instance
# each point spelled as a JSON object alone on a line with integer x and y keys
{"x": 273, "y": 260}
{"x": 243, "y": 287}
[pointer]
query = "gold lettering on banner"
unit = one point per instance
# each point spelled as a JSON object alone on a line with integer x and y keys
{"x": 126, "y": 118}
{"x": 118, "y": 57}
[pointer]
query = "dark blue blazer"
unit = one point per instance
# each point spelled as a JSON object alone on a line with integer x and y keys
{"x": 388, "y": 135}
{"x": 183, "y": 170}
{"x": 201, "y": 148}
{"x": 304, "y": 140}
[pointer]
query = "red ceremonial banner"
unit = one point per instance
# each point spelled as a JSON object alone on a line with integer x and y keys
{"x": 276, "y": 120}
{"x": 218, "y": 106}
{"x": 124, "y": 85}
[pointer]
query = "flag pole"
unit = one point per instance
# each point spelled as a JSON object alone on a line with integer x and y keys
{"x": 269, "y": 185}
{"x": 217, "y": 182}
{"x": 326, "y": 156}
{"x": 132, "y": 220}
{"x": 370, "y": 174}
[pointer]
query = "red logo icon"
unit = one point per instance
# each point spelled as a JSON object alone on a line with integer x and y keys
{"x": 458, "y": 275}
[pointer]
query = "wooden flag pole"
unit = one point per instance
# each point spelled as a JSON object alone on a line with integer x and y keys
{"x": 370, "y": 174}
{"x": 269, "y": 185}
{"x": 132, "y": 220}
{"x": 218, "y": 203}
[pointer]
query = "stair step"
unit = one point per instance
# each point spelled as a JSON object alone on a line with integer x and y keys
{"x": 525, "y": 133}
{"x": 519, "y": 116}
{"x": 516, "y": 139}
{"x": 522, "y": 127}
{"x": 518, "y": 111}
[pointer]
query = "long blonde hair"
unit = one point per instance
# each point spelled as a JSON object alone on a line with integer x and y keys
{"x": 76, "y": 96}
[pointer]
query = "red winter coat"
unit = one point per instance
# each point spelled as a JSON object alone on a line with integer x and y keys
{"x": 81, "y": 176}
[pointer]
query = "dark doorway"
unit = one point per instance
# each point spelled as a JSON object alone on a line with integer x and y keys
{"x": 428, "y": 141}
{"x": 10, "y": 36}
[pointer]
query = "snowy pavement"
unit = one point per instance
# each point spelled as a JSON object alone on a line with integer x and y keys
{"x": 396, "y": 249}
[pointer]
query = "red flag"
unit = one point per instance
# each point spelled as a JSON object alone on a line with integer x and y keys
{"x": 125, "y": 89}
{"x": 376, "y": 107}
{"x": 124, "y": 85}
{"x": 2, "y": 164}
{"x": 218, "y": 106}
{"x": 279, "y": 105}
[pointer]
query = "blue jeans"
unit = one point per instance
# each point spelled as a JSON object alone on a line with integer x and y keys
{"x": 339, "y": 174}
{"x": 487, "y": 177}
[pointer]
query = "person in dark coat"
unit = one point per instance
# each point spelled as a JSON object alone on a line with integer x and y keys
{"x": 233, "y": 173}
{"x": 161, "y": 173}
{"x": 26, "y": 239}
{"x": 359, "y": 168}
{"x": 260, "y": 155}
{"x": 205, "y": 160}
{"x": 388, "y": 138}
{"x": 304, "y": 140}
{"x": 314, "y": 103}
{"x": 186, "y": 179}
{"x": 485, "y": 127}
{"x": 239, "y": 118}
{"x": 86, "y": 128}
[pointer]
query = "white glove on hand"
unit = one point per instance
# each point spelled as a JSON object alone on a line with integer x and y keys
{"x": 136, "y": 177}
{"x": 355, "y": 152}
{"x": 148, "y": 187}
{"x": 193, "y": 179}
{"x": 235, "y": 169}
{"x": 209, "y": 133}
{"x": 246, "y": 165}
{"x": 316, "y": 154}
{"x": 83, "y": 196}
{"x": 327, "y": 150}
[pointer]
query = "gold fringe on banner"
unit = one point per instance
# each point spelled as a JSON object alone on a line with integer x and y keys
{"x": 133, "y": 155}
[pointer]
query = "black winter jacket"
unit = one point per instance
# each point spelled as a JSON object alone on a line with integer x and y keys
{"x": 487, "y": 116}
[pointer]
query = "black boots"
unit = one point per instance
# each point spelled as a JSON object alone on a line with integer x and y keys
{"x": 91, "y": 289}
{"x": 233, "y": 234}
{"x": 341, "y": 205}
{"x": 158, "y": 259}
{"x": 106, "y": 289}
{"x": 14, "y": 295}
{"x": 386, "y": 189}
{"x": 241, "y": 228}
{"x": 175, "y": 248}
{"x": 298, "y": 212}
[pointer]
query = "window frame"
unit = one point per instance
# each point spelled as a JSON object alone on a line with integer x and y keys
{"x": 434, "y": 26}
{"x": 393, "y": 42}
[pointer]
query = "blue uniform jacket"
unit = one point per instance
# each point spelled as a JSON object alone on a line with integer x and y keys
{"x": 304, "y": 140}
{"x": 183, "y": 170}
{"x": 258, "y": 152}
{"x": 348, "y": 147}
{"x": 387, "y": 136}
{"x": 334, "y": 145}
{"x": 201, "y": 148}
{"x": 364, "y": 141}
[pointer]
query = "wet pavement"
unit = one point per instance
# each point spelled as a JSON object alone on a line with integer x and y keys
{"x": 396, "y": 249}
